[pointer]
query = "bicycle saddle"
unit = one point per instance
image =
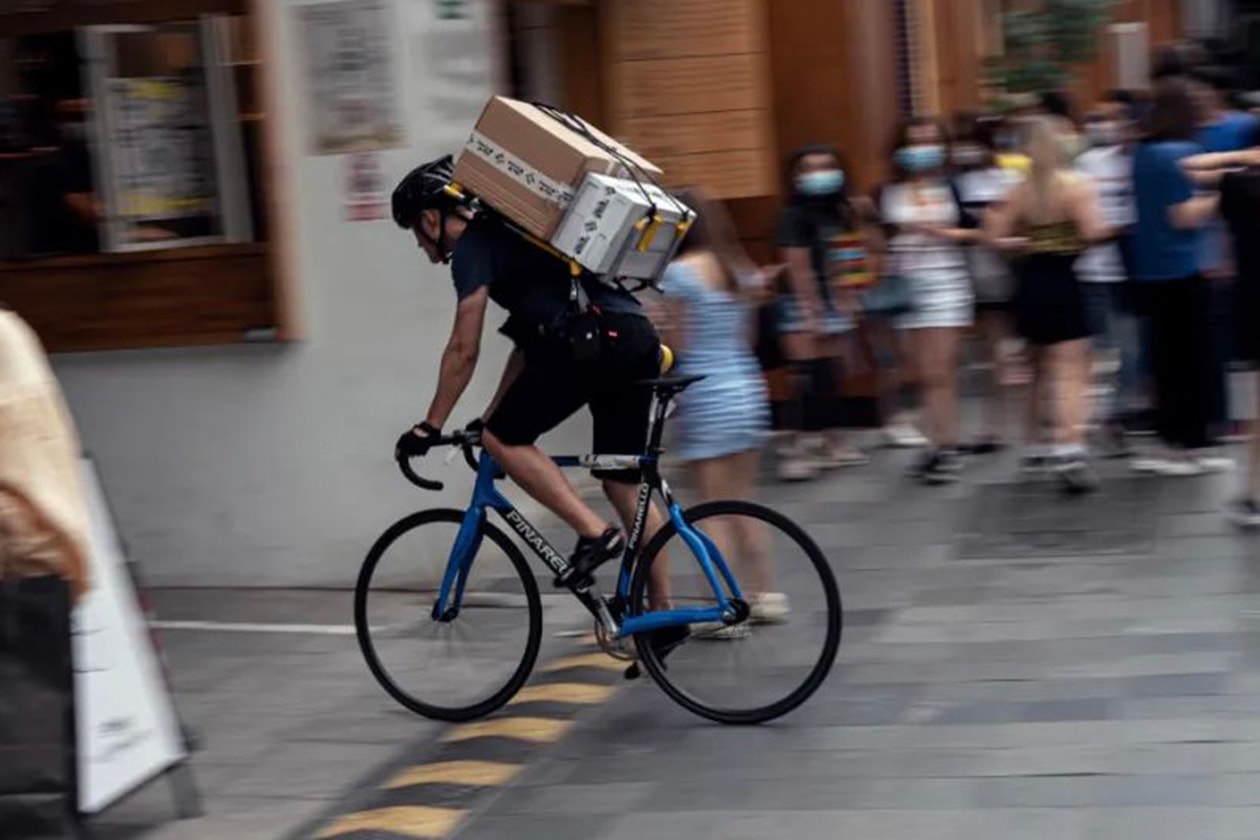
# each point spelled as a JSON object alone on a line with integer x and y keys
{"x": 670, "y": 384}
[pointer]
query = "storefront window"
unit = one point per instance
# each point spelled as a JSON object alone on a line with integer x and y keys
{"x": 125, "y": 138}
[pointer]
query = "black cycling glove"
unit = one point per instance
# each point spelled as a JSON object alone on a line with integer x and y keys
{"x": 416, "y": 441}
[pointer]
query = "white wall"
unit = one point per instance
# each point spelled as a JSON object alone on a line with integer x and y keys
{"x": 271, "y": 465}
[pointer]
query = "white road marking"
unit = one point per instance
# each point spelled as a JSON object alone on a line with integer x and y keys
{"x": 250, "y": 627}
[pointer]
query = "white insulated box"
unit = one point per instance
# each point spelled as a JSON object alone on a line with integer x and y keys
{"x": 622, "y": 227}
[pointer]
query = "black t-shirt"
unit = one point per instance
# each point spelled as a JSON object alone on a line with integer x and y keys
{"x": 813, "y": 227}
{"x": 531, "y": 284}
{"x": 1240, "y": 205}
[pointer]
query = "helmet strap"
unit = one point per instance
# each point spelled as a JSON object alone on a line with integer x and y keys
{"x": 444, "y": 252}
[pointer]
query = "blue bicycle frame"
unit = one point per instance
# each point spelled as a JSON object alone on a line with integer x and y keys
{"x": 487, "y": 497}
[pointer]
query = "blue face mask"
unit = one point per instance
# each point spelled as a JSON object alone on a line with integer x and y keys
{"x": 826, "y": 182}
{"x": 921, "y": 158}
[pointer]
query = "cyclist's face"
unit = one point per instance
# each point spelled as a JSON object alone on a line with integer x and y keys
{"x": 426, "y": 233}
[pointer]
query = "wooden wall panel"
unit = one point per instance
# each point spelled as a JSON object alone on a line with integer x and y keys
{"x": 684, "y": 86}
{"x": 872, "y": 69}
{"x": 687, "y": 79}
{"x": 188, "y": 296}
{"x": 581, "y": 60}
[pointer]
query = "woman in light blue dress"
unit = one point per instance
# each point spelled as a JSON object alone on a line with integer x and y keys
{"x": 722, "y": 421}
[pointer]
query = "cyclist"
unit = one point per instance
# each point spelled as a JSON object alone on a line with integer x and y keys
{"x": 578, "y": 342}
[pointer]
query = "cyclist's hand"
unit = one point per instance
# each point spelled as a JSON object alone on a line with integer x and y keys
{"x": 416, "y": 441}
{"x": 472, "y": 432}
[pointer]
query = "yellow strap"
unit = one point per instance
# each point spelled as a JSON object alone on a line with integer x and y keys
{"x": 645, "y": 240}
{"x": 667, "y": 359}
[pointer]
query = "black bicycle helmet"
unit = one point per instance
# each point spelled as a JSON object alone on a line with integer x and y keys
{"x": 423, "y": 189}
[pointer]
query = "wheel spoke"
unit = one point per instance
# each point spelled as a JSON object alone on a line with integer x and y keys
{"x": 457, "y": 669}
{"x": 747, "y": 672}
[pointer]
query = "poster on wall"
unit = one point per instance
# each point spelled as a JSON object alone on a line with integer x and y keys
{"x": 365, "y": 187}
{"x": 457, "y": 57}
{"x": 128, "y": 729}
{"x": 163, "y": 160}
{"x": 351, "y": 93}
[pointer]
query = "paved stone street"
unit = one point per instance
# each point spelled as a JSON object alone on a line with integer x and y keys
{"x": 1015, "y": 666}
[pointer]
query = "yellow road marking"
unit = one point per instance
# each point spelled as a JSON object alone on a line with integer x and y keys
{"x": 532, "y": 729}
{"x": 584, "y": 660}
{"x": 420, "y": 822}
{"x": 485, "y": 773}
{"x": 580, "y": 694}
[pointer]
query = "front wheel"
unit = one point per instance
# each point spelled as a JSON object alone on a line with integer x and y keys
{"x": 461, "y": 665}
{"x": 773, "y": 659}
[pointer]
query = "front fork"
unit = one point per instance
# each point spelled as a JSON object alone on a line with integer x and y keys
{"x": 458, "y": 565}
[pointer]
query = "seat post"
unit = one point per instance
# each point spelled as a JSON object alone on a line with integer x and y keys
{"x": 656, "y": 424}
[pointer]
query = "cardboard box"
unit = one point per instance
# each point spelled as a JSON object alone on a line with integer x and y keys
{"x": 621, "y": 228}
{"x": 527, "y": 164}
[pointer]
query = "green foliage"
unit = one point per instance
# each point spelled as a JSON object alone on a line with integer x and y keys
{"x": 1044, "y": 43}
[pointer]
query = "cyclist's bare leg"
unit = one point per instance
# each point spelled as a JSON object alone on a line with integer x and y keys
{"x": 536, "y": 474}
{"x": 625, "y": 498}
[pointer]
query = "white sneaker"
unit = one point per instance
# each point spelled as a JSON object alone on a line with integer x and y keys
{"x": 1179, "y": 468}
{"x": 716, "y": 631}
{"x": 769, "y": 608}
{"x": 831, "y": 458}
{"x": 904, "y": 436}
{"x": 1148, "y": 464}
{"x": 1215, "y": 464}
{"x": 1245, "y": 513}
{"x": 795, "y": 467}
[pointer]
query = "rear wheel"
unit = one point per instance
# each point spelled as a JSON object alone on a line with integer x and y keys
{"x": 470, "y": 664}
{"x": 770, "y": 662}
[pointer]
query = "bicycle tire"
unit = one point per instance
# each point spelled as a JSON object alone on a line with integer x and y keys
{"x": 831, "y": 590}
{"x": 368, "y": 648}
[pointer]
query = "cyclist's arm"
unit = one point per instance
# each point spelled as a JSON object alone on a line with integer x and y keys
{"x": 459, "y": 360}
{"x": 515, "y": 363}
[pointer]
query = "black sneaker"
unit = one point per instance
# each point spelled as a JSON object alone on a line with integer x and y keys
{"x": 939, "y": 467}
{"x": 663, "y": 642}
{"x": 984, "y": 446}
{"x": 924, "y": 464}
{"x": 1245, "y": 513}
{"x": 590, "y": 554}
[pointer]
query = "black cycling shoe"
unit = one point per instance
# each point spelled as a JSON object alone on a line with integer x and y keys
{"x": 590, "y": 554}
{"x": 663, "y": 643}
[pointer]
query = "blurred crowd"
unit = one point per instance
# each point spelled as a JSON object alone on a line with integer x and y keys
{"x": 1087, "y": 266}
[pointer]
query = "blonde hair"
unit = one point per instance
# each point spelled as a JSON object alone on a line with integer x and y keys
{"x": 1049, "y": 170}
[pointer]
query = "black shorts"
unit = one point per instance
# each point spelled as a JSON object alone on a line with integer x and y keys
{"x": 1246, "y": 306}
{"x": 553, "y": 386}
{"x": 1049, "y": 305}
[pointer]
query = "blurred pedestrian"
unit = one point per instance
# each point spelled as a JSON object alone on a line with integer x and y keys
{"x": 43, "y": 567}
{"x": 924, "y": 218}
{"x": 1058, "y": 105}
{"x": 817, "y": 318}
{"x": 1167, "y": 248}
{"x": 1238, "y": 175}
{"x": 1103, "y": 268}
{"x": 981, "y": 185}
{"x": 710, "y": 292}
{"x": 1048, "y": 220}
{"x": 1221, "y": 129}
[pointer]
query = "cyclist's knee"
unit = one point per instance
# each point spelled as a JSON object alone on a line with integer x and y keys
{"x": 491, "y": 442}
